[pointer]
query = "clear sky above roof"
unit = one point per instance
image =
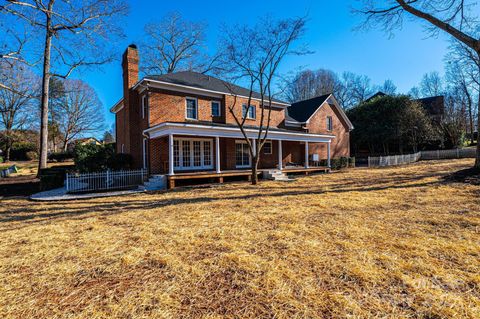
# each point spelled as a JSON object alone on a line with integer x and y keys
{"x": 403, "y": 58}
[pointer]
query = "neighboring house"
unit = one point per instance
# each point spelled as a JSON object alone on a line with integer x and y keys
{"x": 83, "y": 141}
{"x": 179, "y": 125}
{"x": 434, "y": 105}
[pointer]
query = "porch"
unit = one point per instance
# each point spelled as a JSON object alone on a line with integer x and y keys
{"x": 184, "y": 151}
{"x": 219, "y": 177}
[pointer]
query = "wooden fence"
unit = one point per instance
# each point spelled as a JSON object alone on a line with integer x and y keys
{"x": 393, "y": 160}
{"x": 103, "y": 181}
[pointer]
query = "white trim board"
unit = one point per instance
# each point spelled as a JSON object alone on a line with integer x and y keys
{"x": 168, "y": 128}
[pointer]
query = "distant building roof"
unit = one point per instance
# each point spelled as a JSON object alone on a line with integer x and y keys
{"x": 434, "y": 105}
{"x": 303, "y": 110}
{"x": 205, "y": 82}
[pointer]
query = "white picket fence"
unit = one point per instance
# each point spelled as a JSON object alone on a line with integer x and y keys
{"x": 383, "y": 161}
{"x": 447, "y": 154}
{"x": 103, "y": 181}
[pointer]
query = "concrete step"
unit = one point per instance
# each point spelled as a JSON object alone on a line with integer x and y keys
{"x": 156, "y": 183}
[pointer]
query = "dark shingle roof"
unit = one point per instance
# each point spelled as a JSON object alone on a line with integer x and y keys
{"x": 303, "y": 110}
{"x": 434, "y": 105}
{"x": 205, "y": 82}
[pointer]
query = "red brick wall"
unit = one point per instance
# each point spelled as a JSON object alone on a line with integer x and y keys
{"x": 277, "y": 116}
{"x": 318, "y": 124}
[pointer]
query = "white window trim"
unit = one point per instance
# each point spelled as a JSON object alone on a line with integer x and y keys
{"x": 192, "y": 167}
{"x": 219, "y": 108}
{"x": 196, "y": 108}
{"x": 249, "y": 156}
{"x": 248, "y": 112}
{"x": 145, "y": 97}
{"x": 271, "y": 148}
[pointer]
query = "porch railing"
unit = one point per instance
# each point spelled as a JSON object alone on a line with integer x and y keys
{"x": 104, "y": 181}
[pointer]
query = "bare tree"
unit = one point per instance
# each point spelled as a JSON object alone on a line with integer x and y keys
{"x": 253, "y": 55}
{"x": 463, "y": 70}
{"x": 16, "y": 104}
{"x": 75, "y": 34}
{"x": 308, "y": 84}
{"x": 431, "y": 85}
{"x": 458, "y": 18}
{"x": 388, "y": 87}
{"x": 357, "y": 89}
{"x": 174, "y": 44}
{"x": 79, "y": 111}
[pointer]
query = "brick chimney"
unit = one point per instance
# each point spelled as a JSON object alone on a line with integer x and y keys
{"x": 130, "y": 67}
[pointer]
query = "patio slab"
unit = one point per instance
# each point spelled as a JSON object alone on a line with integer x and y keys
{"x": 60, "y": 194}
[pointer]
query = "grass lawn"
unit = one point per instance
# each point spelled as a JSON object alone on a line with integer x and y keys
{"x": 386, "y": 243}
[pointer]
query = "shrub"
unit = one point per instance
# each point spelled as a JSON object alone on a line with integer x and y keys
{"x": 1, "y": 159}
{"x": 23, "y": 151}
{"x": 32, "y": 155}
{"x": 95, "y": 158}
{"x": 60, "y": 156}
{"x": 54, "y": 177}
{"x": 351, "y": 162}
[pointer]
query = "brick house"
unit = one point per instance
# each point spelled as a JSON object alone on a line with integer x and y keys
{"x": 179, "y": 125}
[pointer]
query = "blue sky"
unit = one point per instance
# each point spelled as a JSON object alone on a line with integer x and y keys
{"x": 330, "y": 34}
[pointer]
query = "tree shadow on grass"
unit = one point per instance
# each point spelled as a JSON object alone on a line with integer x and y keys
{"x": 468, "y": 176}
{"x": 23, "y": 216}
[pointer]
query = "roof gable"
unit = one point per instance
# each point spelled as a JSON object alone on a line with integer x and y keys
{"x": 303, "y": 110}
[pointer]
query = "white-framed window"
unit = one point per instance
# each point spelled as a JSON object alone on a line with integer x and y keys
{"x": 249, "y": 112}
{"x": 191, "y": 108}
{"x": 192, "y": 154}
{"x": 267, "y": 148}
{"x": 216, "y": 109}
{"x": 242, "y": 154}
{"x": 329, "y": 123}
{"x": 145, "y": 106}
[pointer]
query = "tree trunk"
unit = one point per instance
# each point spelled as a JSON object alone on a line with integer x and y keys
{"x": 42, "y": 163}
{"x": 254, "y": 176}
{"x": 477, "y": 158}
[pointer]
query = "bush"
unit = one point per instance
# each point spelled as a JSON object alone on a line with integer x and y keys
{"x": 32, "y": 155}
{"x": 51, "y": 178}
{"x": 23, "y": 151}
{"x": 351, "y": 162}
{"x": 1, "y": 159}
{"x": 339, "y": 163}
{"x": 60, "y": 156}
{"x": 96, "y": 158}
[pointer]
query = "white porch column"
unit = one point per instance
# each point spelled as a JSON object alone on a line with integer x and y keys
{"x": 170, "y": 155}
{"x": 328, "y": 154}
{"x": 306, "y": 155}
{"x": 217, "y": 154}
{"x": 280, "y": 155}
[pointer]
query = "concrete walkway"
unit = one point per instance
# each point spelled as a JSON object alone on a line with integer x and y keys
{"x": 60, "y": 194}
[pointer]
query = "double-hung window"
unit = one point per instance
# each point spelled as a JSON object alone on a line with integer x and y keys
{"x": 215, "y": 108}
{"x": 267, "y": 148}
{"x": 249, "y": 112}
{"x": 191, "y": 109}
{"x": 329, "y": 123}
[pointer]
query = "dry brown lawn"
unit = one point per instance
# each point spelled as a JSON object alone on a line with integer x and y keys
{"x": 383, "y": 243}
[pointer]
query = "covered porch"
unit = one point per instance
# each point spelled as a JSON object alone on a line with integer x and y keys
{"x": 184, "y": 151}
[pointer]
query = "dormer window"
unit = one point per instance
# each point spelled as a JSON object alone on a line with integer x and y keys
{"x": 191, "y": 112}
